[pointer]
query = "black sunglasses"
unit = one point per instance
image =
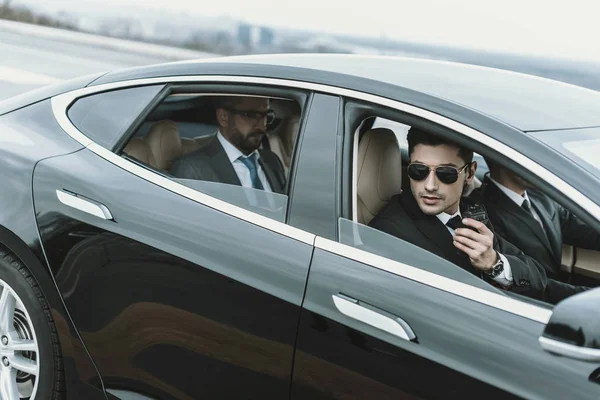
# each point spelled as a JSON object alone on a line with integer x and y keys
{"x": 255, "y": 115}
{"x": 445, "y": 174}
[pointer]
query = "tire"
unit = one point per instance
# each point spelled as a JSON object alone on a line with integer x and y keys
{"x": 31, "y": 321}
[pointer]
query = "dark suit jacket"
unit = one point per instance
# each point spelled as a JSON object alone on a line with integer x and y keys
{"x": 210, "y": 163}
{"x": 404, "y": 219}
{"x": 545, "y": 245}
{"x": 521, "y": 229}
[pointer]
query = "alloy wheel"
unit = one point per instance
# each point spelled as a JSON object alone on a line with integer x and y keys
{"x": 19, "y": 352}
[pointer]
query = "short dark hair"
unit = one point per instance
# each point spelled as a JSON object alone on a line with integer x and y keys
{"x": 417, "y": 136}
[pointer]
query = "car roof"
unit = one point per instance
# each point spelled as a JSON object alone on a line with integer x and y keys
{"x": 526, "y": 102}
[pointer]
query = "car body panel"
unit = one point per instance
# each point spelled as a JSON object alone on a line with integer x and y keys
{"x": 29, "y": 135}
{"x": 45, "y": 92}
{"x": 185, "y": 299}
{"x": 463, "y": 349}
{"x": 315, "y": 172}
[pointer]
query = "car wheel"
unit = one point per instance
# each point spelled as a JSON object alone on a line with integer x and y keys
{"x": 30, "y": 357}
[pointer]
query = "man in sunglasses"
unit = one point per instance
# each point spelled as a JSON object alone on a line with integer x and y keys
{"x": 233, "y": 155}
{"x": 429, "y": 215}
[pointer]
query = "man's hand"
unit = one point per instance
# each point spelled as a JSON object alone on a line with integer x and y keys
{"x": 479, "y": 246}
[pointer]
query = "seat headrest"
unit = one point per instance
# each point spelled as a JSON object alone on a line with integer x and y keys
{"x": 165, "y": 143}
{"x": 379, "y": 172}
{"x": 140, "y": 150}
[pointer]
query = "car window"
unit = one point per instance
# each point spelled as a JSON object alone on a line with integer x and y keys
{"x": 236, "y": 147}
{"x": 105, "y": 117}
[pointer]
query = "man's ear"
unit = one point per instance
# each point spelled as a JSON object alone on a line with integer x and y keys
{"x": 222, "y": 117}
{"x": 471, "y": 171}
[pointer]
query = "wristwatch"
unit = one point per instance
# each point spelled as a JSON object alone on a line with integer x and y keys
{"x": 497, "y": 268}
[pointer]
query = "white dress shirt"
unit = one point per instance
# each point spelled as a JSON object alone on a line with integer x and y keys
{"x": 518, "y": 199}
{"x": 233, "y": 153}
{"x": 506, "y": 277}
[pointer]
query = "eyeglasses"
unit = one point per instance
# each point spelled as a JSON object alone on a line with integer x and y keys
{"x": 445, "y": 174}
{"x": 255, "y": 115}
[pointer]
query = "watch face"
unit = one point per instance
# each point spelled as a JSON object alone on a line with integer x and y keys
{"x": 497, "y": 270}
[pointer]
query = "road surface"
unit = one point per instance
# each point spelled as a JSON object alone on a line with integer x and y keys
{"x": 28, "y": 62}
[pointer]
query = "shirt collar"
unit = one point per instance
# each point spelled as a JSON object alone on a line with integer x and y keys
{"x": 518, "y": 199}
{"x": 233, "y": 153}
{"x": 445, "y": 217}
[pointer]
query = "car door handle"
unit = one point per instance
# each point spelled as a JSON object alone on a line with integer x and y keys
{"x": 373, "y": 316}
{"x": 569, "y": 350}
{"x": 84, "y": 204}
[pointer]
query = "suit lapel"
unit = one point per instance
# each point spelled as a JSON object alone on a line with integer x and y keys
{"x": 502, "y": 201}
{"x": 275, "y": 186}
{"x": 220, "y": 163}
{"x": 549, "y": 226}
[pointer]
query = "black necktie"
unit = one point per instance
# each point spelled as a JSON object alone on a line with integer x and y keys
{"x": 526, "y": 206}
{"x": 456, "y": 222}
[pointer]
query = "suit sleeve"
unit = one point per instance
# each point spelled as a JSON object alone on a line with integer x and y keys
{"x": 386, "y": 225}
{"x": 576, "y": 232}
{"x": 557, "y": 291}
{"x": 185, "y": 169}
{"x": 529, "y": 276}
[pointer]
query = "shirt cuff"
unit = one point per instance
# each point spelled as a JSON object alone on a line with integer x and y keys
{"x": 506, "y": 277}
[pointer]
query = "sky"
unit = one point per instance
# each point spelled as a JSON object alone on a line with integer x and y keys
{"x": 565, "y": 28}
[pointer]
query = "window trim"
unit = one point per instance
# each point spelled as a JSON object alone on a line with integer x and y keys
{"x": 61, "y": 103}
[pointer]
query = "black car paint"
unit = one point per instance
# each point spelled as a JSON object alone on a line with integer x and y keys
{"x": 29, "y": 135}
{"x": 575, "y": 321}
{"x": 464, "y": 349}
{"x": 185, "y": 299}
{"x": 316, "y": 170}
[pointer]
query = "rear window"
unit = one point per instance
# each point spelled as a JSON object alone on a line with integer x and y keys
{"x": 105, "y": 117}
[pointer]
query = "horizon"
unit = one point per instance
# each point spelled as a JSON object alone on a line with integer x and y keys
{"x": 531, "y": 27}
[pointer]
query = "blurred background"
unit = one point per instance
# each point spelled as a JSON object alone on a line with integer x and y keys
{"x": 46, "y": 41}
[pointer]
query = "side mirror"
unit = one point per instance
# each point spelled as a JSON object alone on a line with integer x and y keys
{"x": 574, "y": 327}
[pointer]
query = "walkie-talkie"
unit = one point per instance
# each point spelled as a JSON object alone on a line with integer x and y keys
{"x": 478, "y": 213}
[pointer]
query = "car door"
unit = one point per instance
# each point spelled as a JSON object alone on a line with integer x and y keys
{"x": 175, "y": 293}
{"x": 385, "y": 319}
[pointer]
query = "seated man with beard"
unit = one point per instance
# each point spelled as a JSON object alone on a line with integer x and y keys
{"x": 232, "y": 156}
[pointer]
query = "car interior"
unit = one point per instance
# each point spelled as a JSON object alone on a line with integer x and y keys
{"x": 382, "y": 146}
{"x": 185, "y": 122}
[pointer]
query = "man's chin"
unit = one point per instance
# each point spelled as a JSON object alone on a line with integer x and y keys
{"x": 430, "y": 209}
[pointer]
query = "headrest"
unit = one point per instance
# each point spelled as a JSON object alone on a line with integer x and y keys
{"x": 140, "y": 150}
{"x": 379, "y": 171}
{"x": 165, "y": 143}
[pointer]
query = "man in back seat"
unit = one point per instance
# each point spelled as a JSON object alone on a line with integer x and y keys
{"x": 232, "y": 156}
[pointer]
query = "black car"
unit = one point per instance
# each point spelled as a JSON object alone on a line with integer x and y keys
{"x": 121, "y": 280}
